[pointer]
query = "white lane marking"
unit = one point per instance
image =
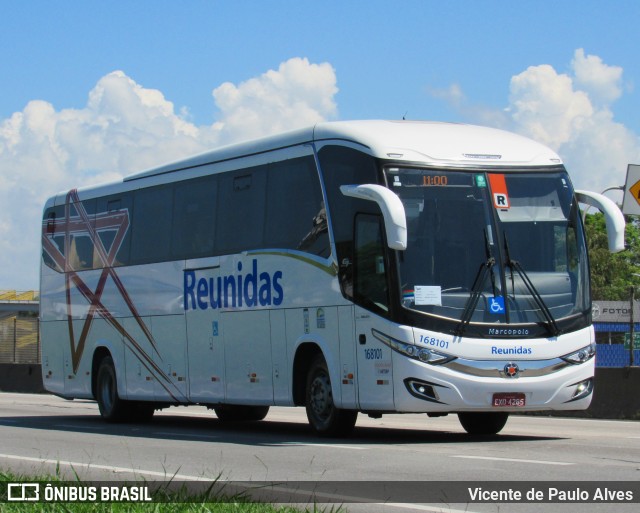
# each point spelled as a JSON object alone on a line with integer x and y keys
{"x": 515, "y": 460}
{"x": 184, "y": 435}
{"x": 333, "y": 446}
{"x": 424, "y": 507}
{"x": 110, "y": 468}
{"x": 79, "y": 426}
{"x": 193, "y": 413}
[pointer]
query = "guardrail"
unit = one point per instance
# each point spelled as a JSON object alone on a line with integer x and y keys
{"x": 19, "y": 340}
{"x": 19, "y": 295}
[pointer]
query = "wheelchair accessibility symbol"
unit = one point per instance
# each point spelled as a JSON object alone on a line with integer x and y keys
{"x": 496, "y": 305}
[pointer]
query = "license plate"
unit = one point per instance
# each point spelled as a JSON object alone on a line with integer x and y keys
{"x": 509, "y": 400}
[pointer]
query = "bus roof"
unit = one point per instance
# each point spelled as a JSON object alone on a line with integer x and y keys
{"x": 433, "y": 143}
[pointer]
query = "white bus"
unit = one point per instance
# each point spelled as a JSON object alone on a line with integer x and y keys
{"x": 366, "y": 266}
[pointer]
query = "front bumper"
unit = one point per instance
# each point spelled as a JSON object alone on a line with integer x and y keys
{"x": 466, "y": 385}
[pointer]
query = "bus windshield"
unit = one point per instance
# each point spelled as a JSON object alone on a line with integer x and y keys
{"x": 492, "y": 249}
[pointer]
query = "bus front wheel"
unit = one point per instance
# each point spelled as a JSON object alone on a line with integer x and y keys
{"x": 323, "y": 415}
{"x": 483, "y": 423}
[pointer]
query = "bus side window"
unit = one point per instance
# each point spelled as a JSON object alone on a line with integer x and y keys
{"x": 371, "y": 289}
{"x": 194, "y": 218}
{"x": 295, "y": 216}
{"x": 240, "y": 210}
{"x": 81, "y": 245}
{"x": 54, "y": 232}
{"x": 340, "y": 166}
{"x": 151, "y": 227}
{"x": 113, "y": 226}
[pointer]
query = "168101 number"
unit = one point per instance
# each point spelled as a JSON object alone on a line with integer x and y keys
{"x": 373, "y": 354}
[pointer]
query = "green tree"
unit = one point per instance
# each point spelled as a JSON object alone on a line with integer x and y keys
{"x": 612, "y": 275}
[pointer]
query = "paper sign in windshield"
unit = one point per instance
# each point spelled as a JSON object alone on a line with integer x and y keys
{"x": 499, "y": 191}
{"x": 428, "y": 295}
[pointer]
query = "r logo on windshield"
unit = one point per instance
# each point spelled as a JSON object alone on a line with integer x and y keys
{"x": 499, "y": 189}
{"x": 501, "y": 200}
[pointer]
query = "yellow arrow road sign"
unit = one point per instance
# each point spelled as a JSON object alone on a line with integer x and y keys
{"x": 631, "y": 203}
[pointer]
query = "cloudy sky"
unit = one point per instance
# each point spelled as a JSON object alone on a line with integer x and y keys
{"x": 93, "y": 91}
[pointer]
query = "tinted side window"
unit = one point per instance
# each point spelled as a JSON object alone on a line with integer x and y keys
{"x": 113, "y": 225}
{"x": 193, "y": 231}
{"x": 241, "y": 210}
{"x": 370, "y": 271}
{"x": 296, "y": 217}
{"x": 53, "y": 238}
{"x": 343, "y": 166}
{"x": 151, "y": 230}
{"x": 81, "y": 248}
{"x": 79, "y": 253}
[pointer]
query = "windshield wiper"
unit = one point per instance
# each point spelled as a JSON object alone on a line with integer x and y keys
{"x": 515, "y": 265}
{"x": 476, "y": 289}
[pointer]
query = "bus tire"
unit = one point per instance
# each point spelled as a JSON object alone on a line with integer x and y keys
{"x": 324, "y": 417}
{"x": 112, "y": 408}
{"x": 483, "y": 423}
{"x": 238, "y": 413}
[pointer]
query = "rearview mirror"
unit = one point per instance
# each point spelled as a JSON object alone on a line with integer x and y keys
{"x": 613, "y": 217}
{"x": 393, "y": 214}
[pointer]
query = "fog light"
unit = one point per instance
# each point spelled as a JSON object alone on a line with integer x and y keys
{"x": 583, "y": 389}
{"x": 422, "y": 389}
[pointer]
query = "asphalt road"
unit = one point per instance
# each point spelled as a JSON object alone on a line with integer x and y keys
{"x": 41, "y": 433}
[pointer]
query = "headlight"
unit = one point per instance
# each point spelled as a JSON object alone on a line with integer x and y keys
{"x": 417, "y": 353}
{"x": 581, "y": 355}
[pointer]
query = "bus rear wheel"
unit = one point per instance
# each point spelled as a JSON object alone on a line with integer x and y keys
{"x": 323, "y": 415}
{"x": 483, "y": 423}
{"x": 238, "y": 413}
{"x": 111, "y": 406}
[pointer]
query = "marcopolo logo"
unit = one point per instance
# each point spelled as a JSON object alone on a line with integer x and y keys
{"x": 233, "y": 291}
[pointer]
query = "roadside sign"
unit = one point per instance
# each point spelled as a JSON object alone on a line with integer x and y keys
{"x": 636, "y": 340}
{"x": 631, "y": 202}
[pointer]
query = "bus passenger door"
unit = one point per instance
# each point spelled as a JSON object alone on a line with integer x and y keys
{"x": 248, "y": 362}
{"x": 55, "y": 354}
{"x": 281, "y": 374}
{"x": 375, "y": 371}
{"x": 371, "y": 294}
{"x": 138, "y": 359}
{"x": 205, "y": 348}
{"x": 169, "y": 333}
{"x": 76, "y": 383}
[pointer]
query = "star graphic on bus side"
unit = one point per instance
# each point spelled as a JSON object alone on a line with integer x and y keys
{"x": 77, "y": 222}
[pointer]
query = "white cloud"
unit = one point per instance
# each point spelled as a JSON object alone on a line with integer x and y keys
{"x": 456, "y": 98}
{"x": 544, "y": 105}
{"x": 572, "y": 114}
{"x": 569, "y": 112}
{"x": 452, "y": 94}
{"x": 124, "y": 128}
{"x": 297, "y": 95}
{"x": 602, "y": 82}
